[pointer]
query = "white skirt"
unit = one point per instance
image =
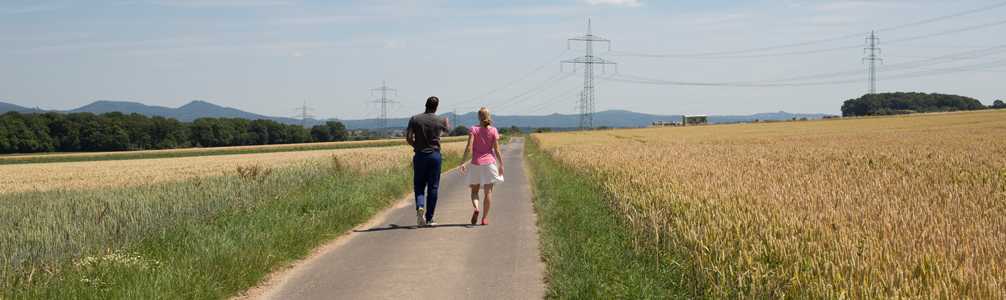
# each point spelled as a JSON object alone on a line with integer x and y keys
{"x": 484, "y": 174}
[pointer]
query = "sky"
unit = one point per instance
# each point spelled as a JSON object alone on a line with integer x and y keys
{"x": 271, "y": 57}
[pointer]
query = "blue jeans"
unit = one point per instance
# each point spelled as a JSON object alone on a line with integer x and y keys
{"x": 427, "y": 177}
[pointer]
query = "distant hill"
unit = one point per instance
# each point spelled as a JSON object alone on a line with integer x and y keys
{"x": 611, "y": 118}
{"x": 5, "y": 107}
{"x": 186, "y": 113}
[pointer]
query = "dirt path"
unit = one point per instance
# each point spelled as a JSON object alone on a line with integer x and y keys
{"x": 390, "y": 257}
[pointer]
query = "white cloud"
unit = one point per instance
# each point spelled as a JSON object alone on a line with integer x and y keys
{"x": 426, "y": 57}
{"x": 322, "y": 20}
{"x": 537, "y": 11}
{"x": 631, "y": 3}
{"x": 861, "y": 5}
{"x": 296, "y": 54}
{"x": 224, "y": 3}
{"x": 30, "y": 9}
{"x": 391, "y": 44}
{"x": 353, "y": 53}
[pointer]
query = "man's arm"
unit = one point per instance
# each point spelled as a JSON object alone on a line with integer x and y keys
{"x": 408, "y": 137}
{"x": 448, "y": 124}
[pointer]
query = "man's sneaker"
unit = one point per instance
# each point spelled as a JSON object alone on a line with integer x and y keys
{"x": 421, "y": 216}
{"x": 433, "y": 221}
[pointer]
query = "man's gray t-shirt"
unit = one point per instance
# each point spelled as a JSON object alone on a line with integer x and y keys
{"x": 427, "y": 128}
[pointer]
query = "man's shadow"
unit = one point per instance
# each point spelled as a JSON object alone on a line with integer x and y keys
{"x": 398, "y": 227}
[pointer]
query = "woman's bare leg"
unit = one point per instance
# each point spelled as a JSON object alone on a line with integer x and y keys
{"x": 475, "y": 196}
{"x": 488, "y": 201}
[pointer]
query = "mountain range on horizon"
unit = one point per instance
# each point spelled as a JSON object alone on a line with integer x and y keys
{"x": 199, "y": 109}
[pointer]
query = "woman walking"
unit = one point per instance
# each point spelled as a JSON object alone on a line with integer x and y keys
{"x": 483, "y": 144}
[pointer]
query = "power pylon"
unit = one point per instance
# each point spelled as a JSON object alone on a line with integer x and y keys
{"x": 588, "y": 60}
{"x": 455, "y": 119}
{"x": 382, "y": 121}
{"x": 303, "y": 115}
{"x": 874, "y": 50}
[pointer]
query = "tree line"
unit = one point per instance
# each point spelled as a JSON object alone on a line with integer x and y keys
{"x": 115, "y": 131}
{"x": 463, "y": 131}
{"x": 906, "y": 103}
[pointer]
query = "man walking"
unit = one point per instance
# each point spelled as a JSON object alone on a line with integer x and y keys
{"x": 427, "y": 128}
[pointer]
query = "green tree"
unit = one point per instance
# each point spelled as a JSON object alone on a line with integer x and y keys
{"x": 542, "y": 130}
{"x": 904, "y": 103}
{"x": 299, "y": 134}
{"x": 512, "y": 130}
{"x": 337, "y": 131}
{"x": 138, "y": 127}
{"x": 321, "y": 133}
{"x": 167, "y": 133}
{"x": 20, "y": 136}
{"x": 459, "y": 131}
{"x": 261, "y": 129}
{"x": 998, "y": 104}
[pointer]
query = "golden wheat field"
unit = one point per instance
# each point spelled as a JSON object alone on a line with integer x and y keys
{"x": 280, "y": 147}
{"x": 858, "y": 208}
{"x": 122, "y": 173}
{"x": 56, "y": 212}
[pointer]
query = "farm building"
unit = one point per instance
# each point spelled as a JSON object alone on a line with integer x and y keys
{"x": 694, "y": 120}
{"x": 666, "y": 123}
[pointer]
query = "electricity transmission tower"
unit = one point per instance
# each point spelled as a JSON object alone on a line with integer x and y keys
{"x": 455, "y": 119}
{"x": 303, "y": 115}
{"x": 588, "y": 60}
{"x": 382, "y": 121}
{"x": 874, "y": 50}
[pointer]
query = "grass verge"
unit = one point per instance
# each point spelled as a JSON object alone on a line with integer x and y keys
{"x": 218, "y": 254}
{"x": 587, "y": 248}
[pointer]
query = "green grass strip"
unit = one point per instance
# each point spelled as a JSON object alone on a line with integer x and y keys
{"x": 586, "y": 247}
{"x": 220, "y": 256}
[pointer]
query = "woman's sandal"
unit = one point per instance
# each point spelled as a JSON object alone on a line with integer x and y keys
{"x": 475, "y": 217}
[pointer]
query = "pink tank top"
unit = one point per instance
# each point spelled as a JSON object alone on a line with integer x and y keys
{"x": 482, "y": 144}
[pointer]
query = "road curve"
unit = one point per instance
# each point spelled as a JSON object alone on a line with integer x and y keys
{"x": 391, "y": 257}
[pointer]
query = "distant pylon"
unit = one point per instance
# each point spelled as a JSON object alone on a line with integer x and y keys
{"x": 303, "y": 115}
{"x": 382, "y": 121}
{"x": 873, "y": 41}
{"x": 588, "y": 61}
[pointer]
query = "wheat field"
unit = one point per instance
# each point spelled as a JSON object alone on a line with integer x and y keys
{"x": 123, "y": 173}
{"x": 55, "y": 213}
{"x": 863, "y": 208}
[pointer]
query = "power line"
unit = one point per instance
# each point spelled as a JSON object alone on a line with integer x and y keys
{"x": 629, "y": 54}
{"x": 544, "y": 85}
{"x": 704, "y": 15}
{"x": 947, "y": 32}
{"x": 557, "y": 99}
{"x": 382, "y": 121}
{"x": 515, "y": 81}
{"x": 588, "y": 61}
{"x": 701, "y": 55}
{"x": 873, "y": 41}
{"x": 973, "y": 67}
{"x": 303, "y": 115}
{"x": 980, "y": 9}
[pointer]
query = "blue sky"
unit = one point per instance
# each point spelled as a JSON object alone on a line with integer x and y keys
{"x": 673, "y": 57}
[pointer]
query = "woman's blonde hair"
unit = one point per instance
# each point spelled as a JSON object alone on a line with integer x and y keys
{"x": 484, "y": 119}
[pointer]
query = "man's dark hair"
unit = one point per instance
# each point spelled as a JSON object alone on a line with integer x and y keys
{"x": 432, "y": 102}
